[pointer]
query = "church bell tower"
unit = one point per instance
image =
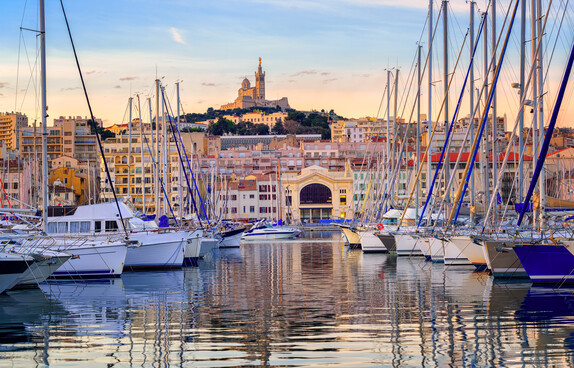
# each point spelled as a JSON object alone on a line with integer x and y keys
{"x": 260, "y": 82}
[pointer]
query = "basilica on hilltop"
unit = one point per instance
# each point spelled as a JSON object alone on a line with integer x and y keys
{"x": 248, "y": 96}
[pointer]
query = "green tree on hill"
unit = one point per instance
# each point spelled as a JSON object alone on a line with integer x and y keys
{"x": 221, "y": 127}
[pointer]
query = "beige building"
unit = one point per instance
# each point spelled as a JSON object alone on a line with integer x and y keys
{"x": 261, "y": 118}
{"x": 248, "y": 96}
{"x": 10, "y": 126}
{"x": 358, "y": 130}
{"x": 137, "y": 181}
{"x": 315, "y": 193}
{"x": 69, "y": 136}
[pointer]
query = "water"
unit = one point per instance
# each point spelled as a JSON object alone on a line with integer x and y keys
{"x": 291, "y": 304}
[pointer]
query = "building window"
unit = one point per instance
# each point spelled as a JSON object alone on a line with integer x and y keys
{"x": 315, "y": 194}
{"x": 343, "y": 199}
{"x": 251, "y": 209}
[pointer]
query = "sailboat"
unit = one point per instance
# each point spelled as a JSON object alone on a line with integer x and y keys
{"x": 89, "y": 257}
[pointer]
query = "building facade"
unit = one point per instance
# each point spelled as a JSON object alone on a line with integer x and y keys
{"x": 10, "y": 126}
{"x": 248, "y": 96}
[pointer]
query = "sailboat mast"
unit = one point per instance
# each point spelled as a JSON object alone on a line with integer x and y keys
{"x": 521, "y": 112}
{"x": 494, "y": 113}
{"x": 389, "y": 162}
{"x": 142, "y": 155}
{"x": 179, "y": 182}
{"x": 540, "y": 111}
{"x": 446, "y": 119}
{"x": 165, "y": 155}
{"x": 485, "y": 150}
{"x": 471, "y": 97}
{"x": 130, "y": 150}
{"x": 417, "y": 204}
{"x": 535, "y": 133}
{"x": 429, "y": 117}
{"x": 44, "y": 118}
{"x": 395, "y": 135}
{"x": 156, "y": 168}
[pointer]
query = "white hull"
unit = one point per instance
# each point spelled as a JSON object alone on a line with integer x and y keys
{"x": 207, "y": 245}
{"x": 436, "y": 249}
{"x": 40, "y": 270}
{"x": 12, "y": 269}
{"x": 352, "y": 237}
{"x": 472, "y": 251}
{"x": 233, "y": 241}
{"x": 193, "y": 246}
{"x": 370, "y": 243}
{"x": 93, "y": 260}
{"x": 156, "y": 250}
{"x": 407, "y": 245}
{"x": 423, "y": 244}
{"x": 453, "y": 256}
{"x": 271, "y": 234}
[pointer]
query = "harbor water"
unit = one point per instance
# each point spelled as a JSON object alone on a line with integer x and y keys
{"x": 299, "y": 303}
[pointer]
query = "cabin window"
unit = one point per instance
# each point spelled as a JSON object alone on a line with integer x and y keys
{"x": 84, "y": 226}
{"x": 62, "y": 227}
{"x": 111, "y": 226}
{"x": 74, "y": 227}
{"x": 52, "y": 227}
{"x": 97, "y": 226}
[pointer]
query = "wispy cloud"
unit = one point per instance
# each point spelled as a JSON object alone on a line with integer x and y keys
{"x": 304, "y": 72}
{"x": 362, "y": 75}
{"x": 70, "y": 89}
{"x": 3, "y": 84}
{"x": 325, "y": 73}
{"x": 176, "y": 35}
{"x": 90, "y": 72}
{"x": 329, "y": 80}
{"x": 125, "y": 79}
{"x": 117, "y": 86}
{"x": 208, "y": 84}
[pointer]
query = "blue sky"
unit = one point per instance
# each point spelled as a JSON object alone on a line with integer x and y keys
{"x": 320, "y": 54}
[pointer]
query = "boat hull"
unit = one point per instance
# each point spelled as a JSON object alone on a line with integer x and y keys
{"x": 93, "y": 260}
{"x": 547, "y": 263}
{"x": 40, "y": 270}
{"x": 453, "y": 256}
{"x": 192, "y": 247}
{"x": 370, "y": 243}
{"x": 271, "y": 234}
{"x": 407, "y": 245}
{"x": 231, "y": 239}
{"x": 436, "y": 247}
{"x": 353, "y": 239}
{"x": 501, "y": 259}
{"x": 156, "y": 250}
{"x": 12, "y": 269}
{"x": 207, "y": 245}
{"x": 388, "y": 241}
{"x": 471, "y": 250}
{"x": 424, "y": 246}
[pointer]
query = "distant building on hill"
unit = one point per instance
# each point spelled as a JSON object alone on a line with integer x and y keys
{"x": 248, "y": 96}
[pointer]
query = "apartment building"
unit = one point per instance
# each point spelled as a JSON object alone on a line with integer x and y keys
{"x": 69, "y": 136}
{"x": 10, "y": 125}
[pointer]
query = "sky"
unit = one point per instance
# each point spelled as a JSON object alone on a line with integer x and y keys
{"x": 321, "y": 54}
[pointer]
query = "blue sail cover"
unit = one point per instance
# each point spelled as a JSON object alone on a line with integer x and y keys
{"x": 519, "y": 206}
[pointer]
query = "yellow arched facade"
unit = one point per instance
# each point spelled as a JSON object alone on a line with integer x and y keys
{"x": 338, "y": 206}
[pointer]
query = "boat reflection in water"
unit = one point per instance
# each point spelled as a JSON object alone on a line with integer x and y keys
{"x": 310, "y": 302}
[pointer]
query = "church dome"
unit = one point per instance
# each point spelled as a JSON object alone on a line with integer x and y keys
{"x": 245, "y": 84}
